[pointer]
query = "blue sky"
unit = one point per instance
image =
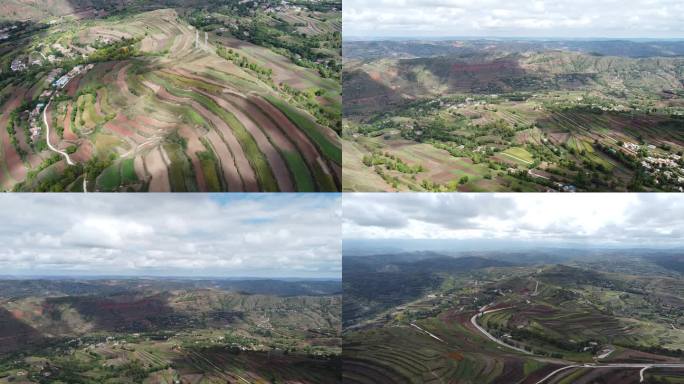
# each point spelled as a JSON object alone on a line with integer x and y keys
{"x": 231, "y": 235}
{"x": 517, "y": 18}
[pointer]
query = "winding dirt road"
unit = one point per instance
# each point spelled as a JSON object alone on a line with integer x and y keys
{"x": 47, "y": 136}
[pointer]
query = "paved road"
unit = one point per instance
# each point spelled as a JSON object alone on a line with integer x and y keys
{"x": 473, "y": 320}
{"x": 642, "y": 366}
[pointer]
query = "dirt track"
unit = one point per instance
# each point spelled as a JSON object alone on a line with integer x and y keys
{"x": 121, "y": 82}
{"x": 157, "y": 168}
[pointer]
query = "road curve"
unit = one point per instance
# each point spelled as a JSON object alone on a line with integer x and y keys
{"x": 473, "y": 320}
{"x": 47, "y": 136}
{"x": 642, "y": 366}
{"x": 556, "y": 371}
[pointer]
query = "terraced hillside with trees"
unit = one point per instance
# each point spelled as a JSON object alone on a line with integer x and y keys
{"x": 493, "y": 319}
{"x": 514, "y": 116}
{"x": 215, "y": 96}
{"x": 169, "y": 330}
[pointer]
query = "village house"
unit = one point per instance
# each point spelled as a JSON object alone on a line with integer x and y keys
{"x": 17, "y": 65}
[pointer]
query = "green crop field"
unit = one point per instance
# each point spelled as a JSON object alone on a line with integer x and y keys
{"x": 160, "y": 334}
{"x": 136, "y": 74}
{"x": 547, "y": 128}
{"x": 415, "y": 320}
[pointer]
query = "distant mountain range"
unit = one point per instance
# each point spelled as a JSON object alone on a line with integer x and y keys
{"x": 463, "y": 47}
{"x": 16, "y": 287}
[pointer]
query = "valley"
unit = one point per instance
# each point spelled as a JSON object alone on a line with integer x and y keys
{"x": 513, "y": 115}
{"x": 169, "y": 330}
{"x": 495, "y": 317}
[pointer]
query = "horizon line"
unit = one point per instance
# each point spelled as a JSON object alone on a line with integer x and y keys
{"x": 153, "y": 277}
{"x": 494, "y": 37}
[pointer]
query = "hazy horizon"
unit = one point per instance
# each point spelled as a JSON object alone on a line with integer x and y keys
{"x": 96, "y": 277}
{"x": 418, "y": 38}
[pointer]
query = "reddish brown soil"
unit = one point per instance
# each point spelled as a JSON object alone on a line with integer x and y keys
{"x": 68, "y": 133}
{"x": 274, "y": 133}
{"x": 244, "y": 171}
{"x": 306, "y": 148}
{"x": 122, "y": 127}
{"x": 118, "y": 126}
{"x": 84, "y": 152}
{"x": 455, "y": 356}
{"x": 72, "y": 87}
{"x": 275, "y": 161}
{"x": 194, "y": 146}
{"x": 146, "y": 126}
{"x": 230, "y": 172}
{"x": 157, "y": 168}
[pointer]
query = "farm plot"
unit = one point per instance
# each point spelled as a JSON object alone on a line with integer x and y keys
{"x": 175, "y": 116}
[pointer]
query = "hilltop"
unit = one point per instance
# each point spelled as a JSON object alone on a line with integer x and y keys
{"x": 172, "y": 96}
{"x": 162, "y": 330}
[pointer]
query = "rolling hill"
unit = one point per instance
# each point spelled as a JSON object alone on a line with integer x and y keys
{"x": 490, "y": 115}
{"x": 161, "y": 330}
{"x": 172, "y": 96}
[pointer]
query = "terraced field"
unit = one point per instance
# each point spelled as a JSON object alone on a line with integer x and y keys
{"x": 531, "y": 325}
{"x": 176, "y": 116}
{"x": 529, "y": 120}
{"x": 162, "y": 335}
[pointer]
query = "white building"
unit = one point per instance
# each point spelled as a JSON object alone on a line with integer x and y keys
{"x": 18, "y": 65}
{"x": 63, "y": 81}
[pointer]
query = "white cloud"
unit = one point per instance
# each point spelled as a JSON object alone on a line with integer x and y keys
{"x": 629, "y": 219}
{"x": 502, "y": 18}
{"x": 161, "y": 234}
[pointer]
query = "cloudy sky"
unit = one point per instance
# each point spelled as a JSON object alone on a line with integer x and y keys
{"x": 649, "y": 220}
{"x": 516, "y": 18}
{"x": 251, "y": 235}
